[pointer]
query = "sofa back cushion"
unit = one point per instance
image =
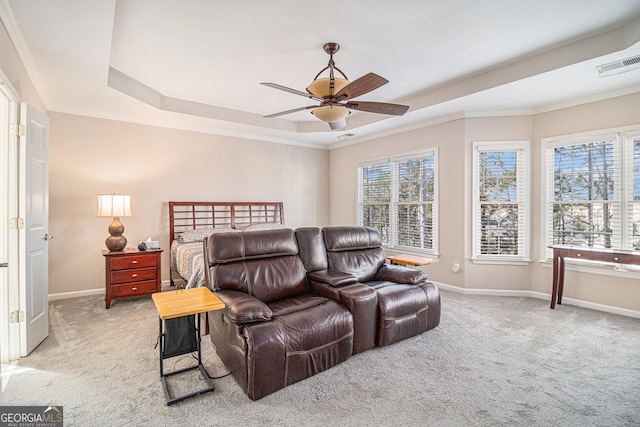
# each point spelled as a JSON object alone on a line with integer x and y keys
{"x": 353, "y": 249}
{"x": 264, "y": 264}
{"x": 311, "y": 246}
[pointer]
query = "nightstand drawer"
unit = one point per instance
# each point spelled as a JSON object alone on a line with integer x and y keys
{"x": 133, "y": 275}
{"x": 133, "y": 289}
{"x": 136, "y": 261}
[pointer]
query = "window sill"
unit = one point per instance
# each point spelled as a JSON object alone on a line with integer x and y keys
{"x": 500, "y": 261}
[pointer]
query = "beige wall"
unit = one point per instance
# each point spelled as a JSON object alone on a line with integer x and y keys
{"x": 596, "y": 288}
{"x": 156, "y": 165}
{"x": 492, "y": 276}
{"x": 12, "y": 67}
{"x": 449, "y": 139}
{"x": 454, "y": 141}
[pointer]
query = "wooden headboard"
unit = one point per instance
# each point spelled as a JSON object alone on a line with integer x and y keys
{"x": 184, "y": 216}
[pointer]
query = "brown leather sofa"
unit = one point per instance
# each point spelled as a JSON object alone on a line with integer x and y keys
{"x": 407, "y": 305}
{"x": 298, "y": 303}
{"x": 274, "y": 331}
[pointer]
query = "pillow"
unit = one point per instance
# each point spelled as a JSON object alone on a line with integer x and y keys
{"x": 264, "y": 226}
{"x": 199, "y": 234}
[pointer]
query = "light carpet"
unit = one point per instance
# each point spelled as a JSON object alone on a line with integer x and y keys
{"x": 493, "y": 361}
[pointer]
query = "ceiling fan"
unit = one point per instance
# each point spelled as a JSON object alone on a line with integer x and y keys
{"x": 334, "y": 94}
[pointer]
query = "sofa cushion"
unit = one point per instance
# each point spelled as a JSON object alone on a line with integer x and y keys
{"x": 266, "y": 279}
{"x": 398, "y": 274}
{"x": 226, "y": 248}
{"x": 311, "y": 247}
{"x": 363, "y": 264}
{"x": 242, "y": 308}
{"x": 351, "y": 238}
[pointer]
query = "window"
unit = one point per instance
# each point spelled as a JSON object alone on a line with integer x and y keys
{"x": 593, "y": 191}
{"x": 501, "y": 202}
{"x": 632, "y": 145}
{"x": 398, "y": 196}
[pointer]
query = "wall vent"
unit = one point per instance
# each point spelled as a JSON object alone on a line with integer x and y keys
{"x": 617, "y": 67}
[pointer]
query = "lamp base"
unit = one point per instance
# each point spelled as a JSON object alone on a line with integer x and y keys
{"x": 116, "y": 242}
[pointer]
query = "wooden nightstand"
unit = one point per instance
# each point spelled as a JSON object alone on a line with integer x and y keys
{"x": 131, "y": 273}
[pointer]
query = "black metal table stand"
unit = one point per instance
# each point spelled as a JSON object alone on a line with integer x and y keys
{"x": 163, "y": 376}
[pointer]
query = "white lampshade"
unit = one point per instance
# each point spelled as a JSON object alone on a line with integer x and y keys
{"x": 114, "y": 205}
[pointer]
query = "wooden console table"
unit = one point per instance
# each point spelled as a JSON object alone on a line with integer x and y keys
{"x": 618, "y": 256}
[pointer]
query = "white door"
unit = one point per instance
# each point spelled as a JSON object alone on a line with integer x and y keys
{"x": 34, "y": 203}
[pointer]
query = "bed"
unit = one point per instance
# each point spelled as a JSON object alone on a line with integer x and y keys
{"x": 191, "y": 222}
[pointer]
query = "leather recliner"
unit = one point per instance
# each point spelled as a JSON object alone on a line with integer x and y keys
{"x": 407, "y": 303}
{"x": 274, "y": 330}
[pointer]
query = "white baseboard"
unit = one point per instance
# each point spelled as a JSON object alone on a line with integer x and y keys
{"x": 76, "y": 294}
{"x": 86, "y": 293}
{"x": 544, "y": 296}
{"x": 492, "y": 292}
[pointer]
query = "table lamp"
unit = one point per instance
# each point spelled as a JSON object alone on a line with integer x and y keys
{"x": 115, "y": 205}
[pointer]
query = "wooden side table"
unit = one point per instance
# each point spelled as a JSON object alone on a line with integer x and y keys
{"x": 174, "y": 305}
{"x": 131, "y": 273}
{"x": 411, "y": 260}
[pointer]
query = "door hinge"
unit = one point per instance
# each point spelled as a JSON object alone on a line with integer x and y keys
{"x": 17, "y": 129}
{"x": 16, "y": 223}
{"x": 16, "y": 317}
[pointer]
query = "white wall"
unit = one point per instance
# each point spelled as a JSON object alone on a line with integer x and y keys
{"x": 156, "y": 165}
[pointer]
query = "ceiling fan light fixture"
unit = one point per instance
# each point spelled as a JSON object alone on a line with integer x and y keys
{"x": 320, "y": 87}
{"x": 330, "y": 113}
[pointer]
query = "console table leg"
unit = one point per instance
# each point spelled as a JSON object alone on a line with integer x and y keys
{"x": 554, "y": 291}
{"x": 560, "y": 278}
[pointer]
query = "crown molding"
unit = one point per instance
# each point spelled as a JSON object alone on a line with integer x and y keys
{"x": 8, "y": 18}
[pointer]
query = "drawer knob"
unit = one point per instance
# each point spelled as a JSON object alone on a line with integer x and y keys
{"x": 134, "y": 289}
{"x": 134, "y": 275}
{"x": 579, "y": 254}
{"x": 615, "y": 258}
{"x": 134, "y": 262}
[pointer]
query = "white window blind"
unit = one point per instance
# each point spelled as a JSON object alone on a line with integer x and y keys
{"x": 398, "y": 197}
{"x": 584, "y": 203}
{"x": 632, "y": 220}
{"x": 414, "y": 198}
{"x": 501, "y": 181}
{"x": 375, "y": 198}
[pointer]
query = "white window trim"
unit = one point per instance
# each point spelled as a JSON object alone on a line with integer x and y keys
{"x": 477, "y": 257}
{"x": 545, "y": 260}
{"x": 430, "y": 253}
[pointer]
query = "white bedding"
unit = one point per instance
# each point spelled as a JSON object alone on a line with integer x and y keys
{"x": 187, "y": 260}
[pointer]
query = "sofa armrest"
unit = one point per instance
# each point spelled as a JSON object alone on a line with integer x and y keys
{"x": 401, "y": 274}
{"x": 243, "y": 308}
{"x": 332, "y": 277}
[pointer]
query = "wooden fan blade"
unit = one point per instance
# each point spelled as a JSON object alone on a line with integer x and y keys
{"x": 377, "y": 107}
{"x": 360, "y": 86}
{"x": 294, "y": 91}
{"x": 339, "y": 124}
{"x": 295, "y": 110}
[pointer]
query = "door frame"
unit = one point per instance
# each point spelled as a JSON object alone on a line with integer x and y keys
{"x": 10, "y": 282}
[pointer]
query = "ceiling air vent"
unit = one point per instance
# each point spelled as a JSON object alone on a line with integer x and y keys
{"x": 618, "y": 67}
